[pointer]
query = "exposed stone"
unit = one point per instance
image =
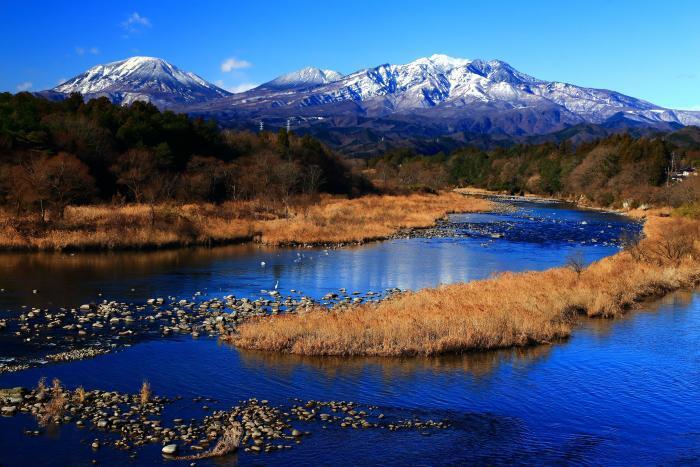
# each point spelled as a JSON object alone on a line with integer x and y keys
{"x": 169, "y": 449}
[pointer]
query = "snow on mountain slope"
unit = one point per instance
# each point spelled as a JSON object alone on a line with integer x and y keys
{"x": 303, "y": 78}
{"x": 144, "y": 79}
{"x": 452, "y": 88}
{"x": 439, "y": 92}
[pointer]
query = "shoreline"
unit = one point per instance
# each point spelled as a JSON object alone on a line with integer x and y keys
{"x": 198, "y": 324}
{"x": 330, "y": 222}
{"x": 260, "y": 426}
{"x": 510, "y": 310}
{"x": 194, "y": 325}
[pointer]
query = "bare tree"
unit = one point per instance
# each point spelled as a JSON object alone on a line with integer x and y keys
{"x": 313, "y": 178}
{"x": 55, "y": 182}
{"x": 134, "y": 169}
{"x": 576, "y": 262}
{"x": 67, "y": 180}
{"x": 18, "y": 183}
{"x": 285, "y": 178}
{"x": 203, "y": 176}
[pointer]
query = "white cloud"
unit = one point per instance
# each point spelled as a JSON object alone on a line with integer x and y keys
{"x": 242, "y": 87}
{"x": 231, "y": 64}
{"x": 85, "y": 50}
{"x": 135, "y": 22}
{"x": 24, "y": 86}
{"x": 236, "y": 88}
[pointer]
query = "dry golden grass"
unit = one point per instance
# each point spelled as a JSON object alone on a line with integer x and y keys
{"x": 130, "y": 226}
{"x": 337, "y": 220}
{"x": 512, "y": 309}
{"x": 228, "y": 443}
{"x": 80, "y": 394}
{"x": 56, "y": 406}
{"x": 145, "y": 393}
{"x": 328, "y": 220}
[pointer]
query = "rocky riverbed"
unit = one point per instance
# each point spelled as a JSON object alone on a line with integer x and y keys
{"x": 37, "y": 336}
{"x": 90, "y": 330}
{"x": 406, "y": 403}
{"x": 128, "y": 421}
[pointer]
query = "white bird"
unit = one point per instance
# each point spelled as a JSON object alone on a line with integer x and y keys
{"x": 262, "y": 263}
{"x": 277, "y": 284}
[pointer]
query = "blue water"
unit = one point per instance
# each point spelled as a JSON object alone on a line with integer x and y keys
{"x": 617, "y": 392}
{"x": 556, "y": 232}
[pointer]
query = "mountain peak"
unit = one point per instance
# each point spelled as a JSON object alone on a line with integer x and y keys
{"x": 306, "y": 77}
{"x": 439, "y": 91}
{"x": 141, "y": 78}
{"x": 447, "y": 62}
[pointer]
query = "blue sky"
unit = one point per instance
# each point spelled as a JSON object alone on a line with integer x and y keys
{"x": 647, "y": 49}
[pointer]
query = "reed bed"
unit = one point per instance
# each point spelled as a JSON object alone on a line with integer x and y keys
{"x": 326, "y": 220}
{"x": 367, "y": 218}
{"x": 511, "y": 309}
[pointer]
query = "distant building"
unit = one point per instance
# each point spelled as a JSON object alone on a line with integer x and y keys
{"x": 683, "y": 173}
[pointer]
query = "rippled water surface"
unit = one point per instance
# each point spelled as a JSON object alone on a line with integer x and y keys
{"x": 617, "y": 392}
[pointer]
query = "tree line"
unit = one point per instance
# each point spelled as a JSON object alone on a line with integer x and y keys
{"x": 53, "y": 154}
{"x": 609, "y": 171}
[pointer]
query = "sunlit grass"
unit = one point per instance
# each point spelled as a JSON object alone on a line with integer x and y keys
{"x": 324, "y": 220}
{"x": 511, "y": 309}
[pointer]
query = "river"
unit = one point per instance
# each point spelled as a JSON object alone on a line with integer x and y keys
{"x": 617, "y": 392}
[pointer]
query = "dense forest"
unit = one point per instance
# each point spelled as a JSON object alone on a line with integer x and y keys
{"x": 610, "y": 171}
{"x": 53, "y": 154}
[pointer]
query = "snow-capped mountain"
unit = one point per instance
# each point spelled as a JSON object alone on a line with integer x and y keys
{"x": 304, "y": 78}
{"x": 467, "y": 94}
{"x": 142, "y": 79}
{"x": 428, "y": 97}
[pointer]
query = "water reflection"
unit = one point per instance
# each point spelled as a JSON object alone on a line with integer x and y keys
{"x": 588, "y": 400}
{"x": 71, "y": 279}
{"x": 477, "y": 364}
{"x": 603, "y": 328}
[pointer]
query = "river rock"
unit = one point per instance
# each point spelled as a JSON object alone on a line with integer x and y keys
{"x": 8, "y": 410}
{"x": 12, "y": 392}
{"x": 169, "y": 449}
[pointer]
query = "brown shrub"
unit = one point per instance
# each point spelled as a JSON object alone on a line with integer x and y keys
{"x": 55, "y": 408}
{"x": 145, "y": 393}
{"x": 228, "y": 443}
{"x": 675, "y": 241}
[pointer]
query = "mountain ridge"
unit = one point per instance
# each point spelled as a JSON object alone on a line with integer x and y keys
{"x": 428, "y": 97}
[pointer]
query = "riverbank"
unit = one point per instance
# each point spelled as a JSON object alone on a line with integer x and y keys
{"x": 512, "y": 309}
{"x": 326, "y": 221}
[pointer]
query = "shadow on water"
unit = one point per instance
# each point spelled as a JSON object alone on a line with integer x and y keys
{"x": 477, "y": 364}
{"x": 680, "y": 299}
